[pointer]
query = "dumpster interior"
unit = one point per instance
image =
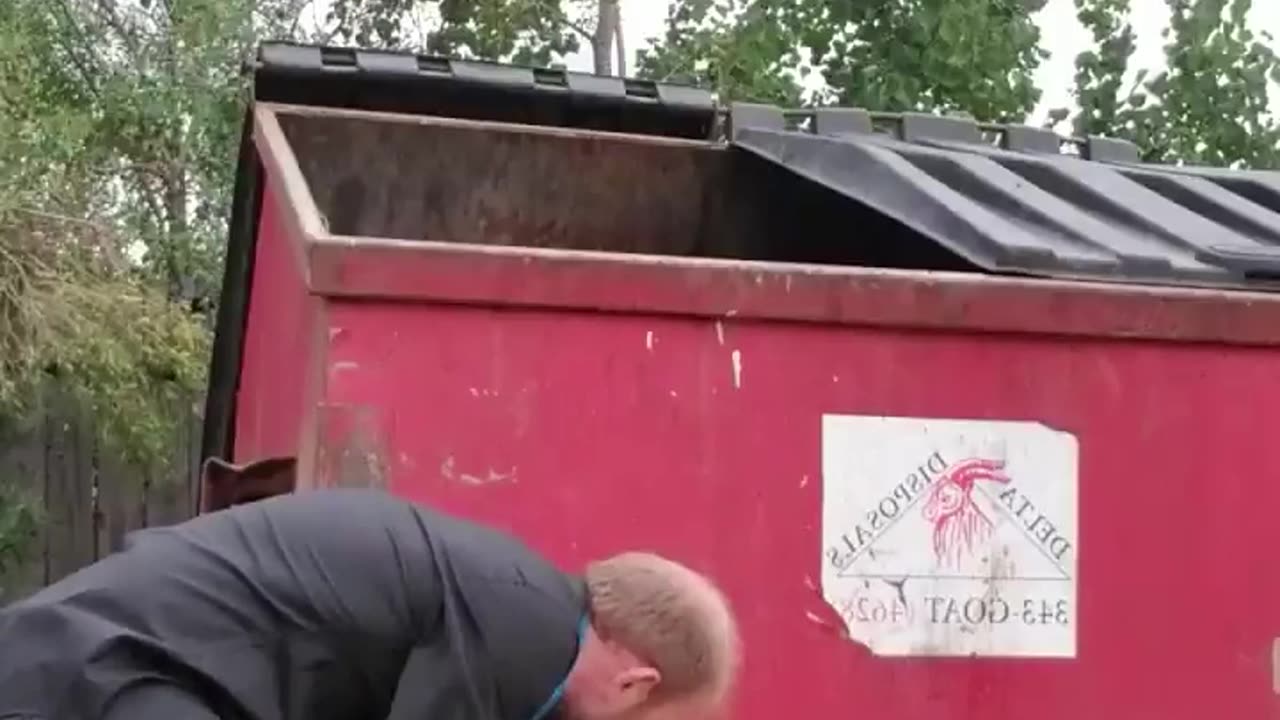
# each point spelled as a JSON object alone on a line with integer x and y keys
{"x": 931, "y": 198}
{"x": 459, "y": 181}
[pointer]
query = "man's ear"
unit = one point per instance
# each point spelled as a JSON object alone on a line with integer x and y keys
{"x": 635, "y": 684}
{"x": 223, "y": 484}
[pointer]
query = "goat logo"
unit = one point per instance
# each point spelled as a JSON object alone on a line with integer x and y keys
{"x": 959, "y": 524}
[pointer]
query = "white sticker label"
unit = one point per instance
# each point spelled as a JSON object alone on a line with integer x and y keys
{"x": 951, "y": 537}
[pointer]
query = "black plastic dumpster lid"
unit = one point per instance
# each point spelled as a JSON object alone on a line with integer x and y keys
{"x": 403, "y": 82}
{"x": 1017, "y": 204}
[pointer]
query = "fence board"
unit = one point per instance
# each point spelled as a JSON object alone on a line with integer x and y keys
{"x": 118, "y": 490}
{"x": 89, "y": 500}
{"x": 69, "y": 505}
{"x": 22, "y": 467}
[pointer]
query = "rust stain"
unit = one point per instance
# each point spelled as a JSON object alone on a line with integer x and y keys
{"x": 353, "y": 448}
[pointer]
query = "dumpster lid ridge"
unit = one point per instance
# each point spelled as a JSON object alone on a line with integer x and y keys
{"x": 1008, "y": 199}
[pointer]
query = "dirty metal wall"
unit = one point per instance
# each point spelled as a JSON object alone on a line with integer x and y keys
{"x": 588, "y": 434}
{"x": 459, "y": 182}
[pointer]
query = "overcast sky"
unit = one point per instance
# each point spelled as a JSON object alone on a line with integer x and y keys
{"x": 1061, "y": 34}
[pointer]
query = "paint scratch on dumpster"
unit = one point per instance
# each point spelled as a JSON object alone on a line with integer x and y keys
{"x": 827, "y": 616}
{"x": 1275, "y": 665}
{"x": 449, "y": 471}
{"x": 489, "y": 478}
{"x": 736, "y": 357}
{"x": 343, "y": 366}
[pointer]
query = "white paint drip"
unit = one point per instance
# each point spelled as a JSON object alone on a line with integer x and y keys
{"x": 648, "y": 341}
{"x": 490, "y": 478}
{"x": 736, "y": 356}
{"x": 448, "y": 471}
{"x": 1275, "y": 665}
{"x": 720, "y": 333}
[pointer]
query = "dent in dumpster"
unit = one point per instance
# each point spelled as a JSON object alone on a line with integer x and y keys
{"x": 951, "y": 537}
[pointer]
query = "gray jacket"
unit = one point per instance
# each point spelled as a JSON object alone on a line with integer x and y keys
{"x": 336, "y": 604}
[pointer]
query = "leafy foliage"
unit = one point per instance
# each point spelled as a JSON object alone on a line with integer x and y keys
{"x": 120, "y": 123}
{"x": 110, "y": 212}
{"x": 1209, "y": 106}
{"x": 971, "y": 55}
{"x": 152, "y": 91}
{"x": 117, "y": 346}
{"x": 739, "y": 48}
{"x": 535, "y": 32}
{"x": 20, "y": 518}
{"x": 975, "y": 56}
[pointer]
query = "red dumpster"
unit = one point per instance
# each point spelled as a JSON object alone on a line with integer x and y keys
{"x": 967, "y": 427}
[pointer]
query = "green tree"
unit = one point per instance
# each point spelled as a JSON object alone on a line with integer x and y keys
{"x": 113, "y": 163}
{"x": 151, "y": 91}
{"x": 742, "y": 49}
{"x": 972, "y": 55}
{"x": 532, "y": 32}
{"x": 1208, "y": 106}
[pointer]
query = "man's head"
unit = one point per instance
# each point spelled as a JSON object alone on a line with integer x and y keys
{"x": 662, "y": 644}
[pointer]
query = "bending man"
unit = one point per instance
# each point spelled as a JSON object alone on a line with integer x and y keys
{"x": 350, "y": 604}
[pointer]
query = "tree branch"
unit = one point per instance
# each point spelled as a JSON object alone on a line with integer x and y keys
{"x": 57, "y": 217}
{"x": 563, "y": 18}
{"x": 88, "y": 75}
{"x": 107, "y": 12}
{"x": 621, "y": 43}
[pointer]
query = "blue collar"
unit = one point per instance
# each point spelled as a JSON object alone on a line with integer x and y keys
{"x": 558, "y": 693}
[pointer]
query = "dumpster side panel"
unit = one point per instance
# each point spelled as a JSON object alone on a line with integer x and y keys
{"x": 590, "y": 433}
{"x": 279, "y": 351}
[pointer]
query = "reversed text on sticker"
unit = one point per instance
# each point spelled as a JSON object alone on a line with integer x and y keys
{"x": 951, "y": 537}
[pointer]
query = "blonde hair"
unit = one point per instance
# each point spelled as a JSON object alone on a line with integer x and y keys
{"x": 669, "y": 616}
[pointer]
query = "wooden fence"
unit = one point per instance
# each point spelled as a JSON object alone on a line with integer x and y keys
{"x": 85, "y": 501}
